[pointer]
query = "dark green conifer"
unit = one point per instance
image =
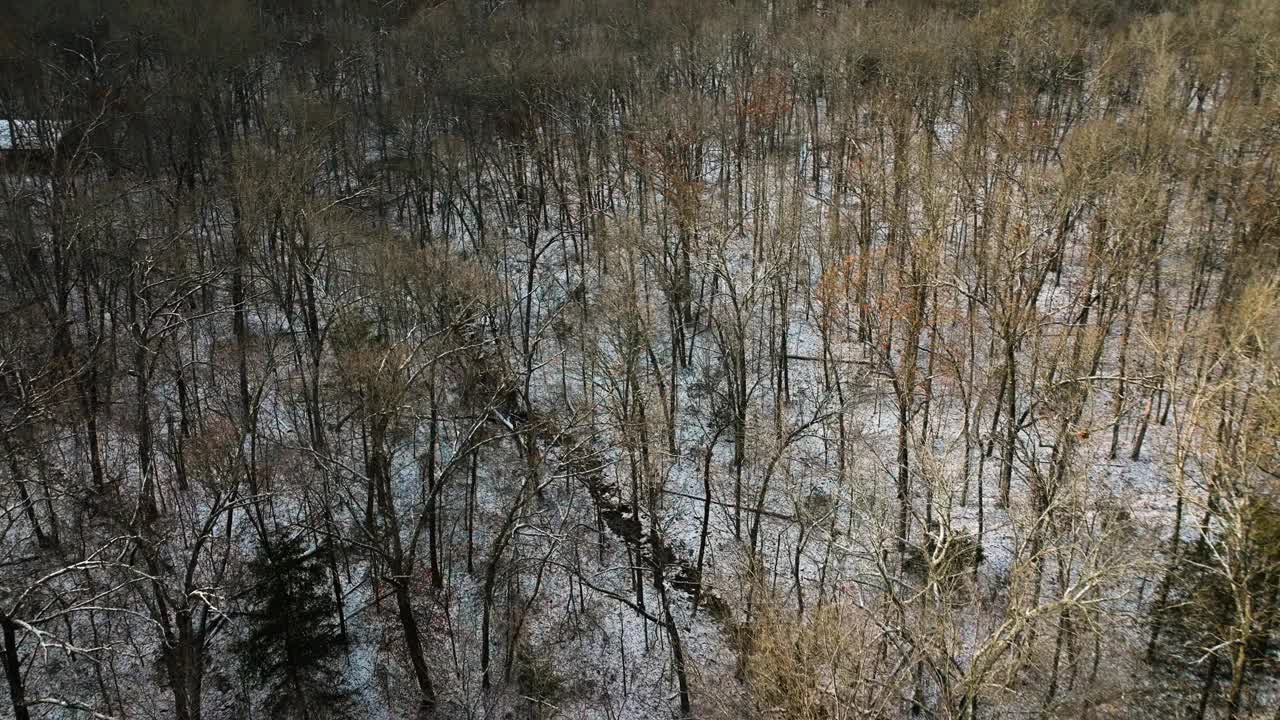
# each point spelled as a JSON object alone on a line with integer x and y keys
{"x": 293, "y": 648}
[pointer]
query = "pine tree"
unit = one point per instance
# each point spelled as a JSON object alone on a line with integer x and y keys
{"x": 292, "y": 648}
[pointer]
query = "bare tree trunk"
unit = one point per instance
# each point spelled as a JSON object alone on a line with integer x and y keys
{"x": 706, "y": 515}
{"x": 1210, "y": 679}
{"x": 1011, "y": 422}
{"x": 13, "y": 670}
{"x": 413, "y": 642}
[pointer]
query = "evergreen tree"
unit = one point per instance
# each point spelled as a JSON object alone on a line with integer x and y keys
{"x": 292, "y": 648}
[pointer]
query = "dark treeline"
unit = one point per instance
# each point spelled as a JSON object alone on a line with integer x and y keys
{"x": 640, "y": 358}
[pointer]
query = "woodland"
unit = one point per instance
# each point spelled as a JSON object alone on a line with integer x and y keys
{"x": 697, "y": 359}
